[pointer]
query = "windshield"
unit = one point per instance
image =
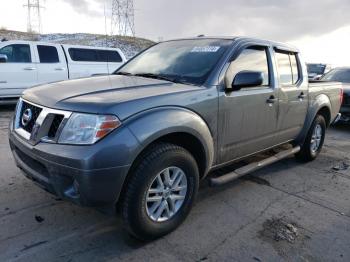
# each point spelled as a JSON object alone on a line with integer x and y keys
{"x": 316, "y": 69}
{"x": 183, "y": 61}
{"x": 338, "y": 75}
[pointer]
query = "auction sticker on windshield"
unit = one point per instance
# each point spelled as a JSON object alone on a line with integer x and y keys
{"x": 205, "y": 49}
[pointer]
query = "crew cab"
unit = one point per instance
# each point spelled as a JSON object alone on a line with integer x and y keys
{"x": 24, "y": 64}
{"x": 140, "y": 140}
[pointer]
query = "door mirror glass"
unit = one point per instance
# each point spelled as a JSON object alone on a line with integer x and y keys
{"x": 247, "y": 79}
{"x": 3, "y": 58}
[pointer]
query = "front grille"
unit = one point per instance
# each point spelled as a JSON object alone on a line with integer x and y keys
{"x": 33, "y": 128}
{"x": 56, "y": 122}
{"x": 35, "y": 114}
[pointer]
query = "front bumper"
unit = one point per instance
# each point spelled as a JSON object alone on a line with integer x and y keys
{"x": 85, "y": 175}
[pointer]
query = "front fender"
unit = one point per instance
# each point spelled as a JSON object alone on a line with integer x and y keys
{"x": 316, "y": 104}
{"x": 153, "y": 124}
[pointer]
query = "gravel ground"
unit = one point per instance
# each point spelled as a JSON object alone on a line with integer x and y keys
{"x": 286, "y": 212}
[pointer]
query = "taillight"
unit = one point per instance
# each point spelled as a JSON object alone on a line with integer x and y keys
{"x": 341, "y": 95}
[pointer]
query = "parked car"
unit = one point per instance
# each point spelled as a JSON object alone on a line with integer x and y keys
{"x": 141, "y": 139}
{"x": 316, "y": 71}
{"x": 341, "y": 74}
{"x": 24, "y": 64}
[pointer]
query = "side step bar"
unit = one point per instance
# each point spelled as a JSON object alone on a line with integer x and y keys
{"x": 221, "y": 180}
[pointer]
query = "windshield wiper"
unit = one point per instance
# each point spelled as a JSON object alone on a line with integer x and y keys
{"x": 123, "y": 73}
{"x": 155, "y": 76}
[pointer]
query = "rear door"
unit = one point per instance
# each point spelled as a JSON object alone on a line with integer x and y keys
{"x": 52, "y": 66}
{"x": 19, "y": 72}
{"x": 293, "y": 95}
{"x": 248, "y": 117}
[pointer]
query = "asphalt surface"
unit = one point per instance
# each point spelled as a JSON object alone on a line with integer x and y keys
{"x": 286, "y": 212}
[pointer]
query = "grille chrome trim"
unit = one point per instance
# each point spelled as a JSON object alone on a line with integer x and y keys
{"x": 37, "y": 133}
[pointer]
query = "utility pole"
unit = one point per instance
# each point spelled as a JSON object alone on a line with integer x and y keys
{"x": 123, "y": 17}
{"x": 34, "y": 23}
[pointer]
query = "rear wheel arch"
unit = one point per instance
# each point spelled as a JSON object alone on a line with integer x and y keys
{"x": 326, "y": 113}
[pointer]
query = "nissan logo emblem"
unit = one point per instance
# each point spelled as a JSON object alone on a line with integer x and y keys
{"x": 27, "y": 117}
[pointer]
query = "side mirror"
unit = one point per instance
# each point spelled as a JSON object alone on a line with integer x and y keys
{"x": 247, "y": 79}
{"x": 3, "y": 58}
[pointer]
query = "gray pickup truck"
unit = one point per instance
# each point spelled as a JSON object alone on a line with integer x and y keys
{"x": 140, "y": 140}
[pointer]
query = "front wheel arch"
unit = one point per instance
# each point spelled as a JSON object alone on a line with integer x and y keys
{"x": 186, "y": 140}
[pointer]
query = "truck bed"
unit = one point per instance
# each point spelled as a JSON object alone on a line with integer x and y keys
{"x": 330, "y": 89}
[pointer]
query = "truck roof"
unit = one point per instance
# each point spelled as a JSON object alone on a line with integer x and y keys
{"x": 6, "y": 42}
{"x": 278, "y": 45}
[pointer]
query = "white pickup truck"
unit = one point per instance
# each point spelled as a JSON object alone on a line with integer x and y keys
{"x": 25, "y": 64}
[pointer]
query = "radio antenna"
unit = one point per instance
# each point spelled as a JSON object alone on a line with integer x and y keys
{"x": 106, "y": 44}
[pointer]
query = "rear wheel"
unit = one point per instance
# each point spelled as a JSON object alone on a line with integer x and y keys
{"x": 314, "y": 140}
{"x": 161, "y": 191}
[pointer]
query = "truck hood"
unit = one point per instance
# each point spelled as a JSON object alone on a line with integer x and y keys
{"x": 120, "y": 95}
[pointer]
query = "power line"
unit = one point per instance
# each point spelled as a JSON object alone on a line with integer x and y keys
{"x": 34, "y": 23}
{"x": 123, "y": 17}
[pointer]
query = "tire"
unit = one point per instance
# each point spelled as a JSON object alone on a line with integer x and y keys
{"x": 309, "y": 151}
{"x": 136, "y": 206}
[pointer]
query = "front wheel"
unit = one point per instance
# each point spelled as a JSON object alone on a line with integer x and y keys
{"x": 161, "y": 191}
{"x": 314, "y": 140}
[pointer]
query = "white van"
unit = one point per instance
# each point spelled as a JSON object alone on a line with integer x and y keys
{"x": 24, "y": 64}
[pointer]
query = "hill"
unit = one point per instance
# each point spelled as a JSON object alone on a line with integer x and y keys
{"x": 129, "y": 45}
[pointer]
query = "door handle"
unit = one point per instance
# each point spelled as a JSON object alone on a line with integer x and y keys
{"x": 29, "y": 68}
{"x": 271, "y": 100}
{"x": 302, "y": 96}
{"x": 59, "y": 69}
{"x": 3, "y": 82}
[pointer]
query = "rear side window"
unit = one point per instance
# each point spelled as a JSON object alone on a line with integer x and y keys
{"x": 295, "y": 68}
{"x": 17, "y": 53}
{"x": 287, "y": 68}
{"x": 94, "y": 55}
{"x": 83, "y": 55}
{"x": 284, "y": 68}
{"x": 109, "y": 56}
{"x": 251, "y": 59}
{"x": 48, "y": 54}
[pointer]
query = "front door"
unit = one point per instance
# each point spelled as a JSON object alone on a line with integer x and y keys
{"x": 248, "y": 117}
{"x": 19, "y": 72}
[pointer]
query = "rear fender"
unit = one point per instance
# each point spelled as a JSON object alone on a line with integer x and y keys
{"x": 321, "y": 101}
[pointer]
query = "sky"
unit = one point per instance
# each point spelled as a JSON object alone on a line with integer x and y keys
{"x": 319, "y": 28}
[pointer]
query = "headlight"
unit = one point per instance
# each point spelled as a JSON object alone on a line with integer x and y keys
{"x": 87, "y": 129}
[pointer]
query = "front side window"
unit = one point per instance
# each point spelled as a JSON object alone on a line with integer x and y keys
{"x": 251, "y": 59}
{"x": 17, "y": 53}
{"x": 48, "y": 54}
{"x": 185, "y": 61}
